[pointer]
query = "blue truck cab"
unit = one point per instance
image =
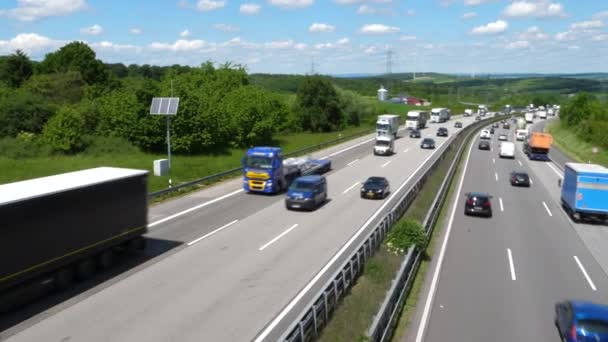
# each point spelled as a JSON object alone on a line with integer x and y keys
{"x": 263, "y": 170}
{"x": 307, "y": 192}
{"x": 585, "y": 191}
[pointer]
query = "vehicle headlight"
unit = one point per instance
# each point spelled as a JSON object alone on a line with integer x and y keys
{"x": 362, "y": 190}
{"x": 379, "y": 190}
{"x": 307, "y": 199}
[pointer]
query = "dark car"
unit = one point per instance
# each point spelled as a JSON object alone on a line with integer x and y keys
{"x": 580, "y": 321}
{"x": 477, "y": 118}
{"x": 492, "y": 130}
{"x": 478, "y": 203}
{"x": 495, "y": 125}
{"x": 520, "y": 178}
{"x": 506, "y": 126}
{"x": 415, "y": 133}
{"x": 484, "y": 145}
{"x": 375, "y": 187}
{"x": 427, "y": 143}
{"x": 458, "y": 124}
{"x": 442, "y": 132}
{"x": 306, "y": 192}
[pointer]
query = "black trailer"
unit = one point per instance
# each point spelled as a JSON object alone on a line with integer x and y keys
{"x": 60, "y": 228}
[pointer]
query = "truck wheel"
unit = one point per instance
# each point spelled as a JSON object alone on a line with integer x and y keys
{"x": 106, "y": 259}
{"x": 85, "y": 269}
{"x": 64, "y": 278}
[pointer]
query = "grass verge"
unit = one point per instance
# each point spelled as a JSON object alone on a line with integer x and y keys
{"x": 574, "y": 147}
{"x": 185, "y": 168}
{"x": 353, "y": 317}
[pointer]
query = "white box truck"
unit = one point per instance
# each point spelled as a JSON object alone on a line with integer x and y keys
{"x": 439, "y": 115}
{"x": 387, "y": 124}
{"x": 416, "y": 119}
{"x": 468, "y": 112}
{"x": 542, "y": 114}
{"x": 529, "y": 117}
{"x": 385, "y": 145}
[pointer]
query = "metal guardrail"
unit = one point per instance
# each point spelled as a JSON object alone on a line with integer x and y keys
{"x": 315, "y": 316}
{"x": 239, "y": 169}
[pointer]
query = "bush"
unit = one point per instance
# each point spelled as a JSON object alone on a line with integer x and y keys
{"x": 64, "y": 131}
{"x": 26, "y": 145}
{"x": 108, "y": 145}
{"x": 318, "y": 106}
{"x": 404, "y": 234}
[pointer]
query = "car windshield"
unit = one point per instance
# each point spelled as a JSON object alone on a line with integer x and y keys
{"x": 382, "y": 127}
{"x": 258, "y": 162}
{"x": 374, "y": 182}
{"x": 382, "y": 143}
{"x": 412, "y": 118}
{"x": 301, "y": 186}
{"x": 427, "y": 141}
{"x": 593, "y": 326}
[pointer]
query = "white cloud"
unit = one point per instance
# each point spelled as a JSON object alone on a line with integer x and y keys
{"x": 520, "y": 44}
{"x": 226, "y": 27}
{"x": 533, "y": 33}
{"x": 600, "y": 15}
{"x": 279, "y": 44}
{"x": 370, "y": 50}
{"x": 565, "y": 36}
{"x": 475, "y": 2}
{"x": 107, "y": 45}
{"x": 31, "y": 43}
{"x": 496, "y": 27}
{"x": 250, "y": 9}
{"x": 573, "y": 47}
{"x": 209, "y": 5}
{"x": 135, "y": 30}
{"x": 407, "y": 38}
{"x": 343, "y": 41}
{"x": 300, "y": 46}
{"x": 348, "y": 2}
{"x": 586, "y": 25}
{"x": 92, "y": 30}
{"x": 184, "y": 33}
{"x": 600, "y": 37}
{"x": 320, "y": 27}
{"x": 537, "y": 9}
{"x": 179, "y": 46}
{"x": 366, "y": 9}
{"x": 291, "y": 3}
{"x": 30, "y": 10}
{"x": 379, "y": 29}
{"x": 410, "y": 13}
{"x": 469, "y": 15}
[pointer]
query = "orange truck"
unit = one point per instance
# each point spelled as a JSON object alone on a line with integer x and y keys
{"x": 537, "y": 145}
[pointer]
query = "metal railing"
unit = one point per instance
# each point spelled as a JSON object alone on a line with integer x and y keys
{"x": 315, "y": 316}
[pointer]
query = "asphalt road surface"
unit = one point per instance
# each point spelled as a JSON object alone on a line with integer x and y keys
{"x": 243, "y": 261}
{"x": 499, "y": 278}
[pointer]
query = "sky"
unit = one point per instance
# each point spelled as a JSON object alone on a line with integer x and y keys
{"x": 334, "y": 36}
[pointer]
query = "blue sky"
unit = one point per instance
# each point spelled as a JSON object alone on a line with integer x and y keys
{"x": 342, "y": 36}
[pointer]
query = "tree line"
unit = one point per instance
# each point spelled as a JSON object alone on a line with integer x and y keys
{"x": 71, "y": 100}
{"x": 586, "y": 115}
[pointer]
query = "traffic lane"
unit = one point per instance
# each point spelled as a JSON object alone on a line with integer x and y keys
{"x": 475, "y": 270}
{"x": 212, "y": 275}
{"x": 593, "y": 236}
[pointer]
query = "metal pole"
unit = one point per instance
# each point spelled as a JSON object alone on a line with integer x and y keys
{"x": 169, "y": 146}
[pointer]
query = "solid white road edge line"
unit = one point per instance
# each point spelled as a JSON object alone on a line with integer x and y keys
{"x": 493, "y": 160}
{"x": 431, "y": 296}
{"x": 502, "y": 208}
{"x": 531, "y": 182}
{"x": 559, "y": 174}
{"x": 511, "y": 266}
{"x": 580, "y": 265}
{"x": 278, "y": 237}
{"x": 275, "y": 321}
{"x": 352, "y": 162}
{"x": 405, "y": 151}
{"x": 547, "y": 208}
{"x": 213, "y": 232}
{"x": 385, "y": 164}
{"x": 194, "y": 208}
{"x": 496, "y": 176}
{"x": 350, "y": 188}
{"x": 520, "y": 164}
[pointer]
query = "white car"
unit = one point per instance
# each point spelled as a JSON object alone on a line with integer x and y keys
{"x": 507, "y": 150}
{"x": 485, "y": 134}
{"x": 521, "y": 134}
{"x": 502, "y": 137}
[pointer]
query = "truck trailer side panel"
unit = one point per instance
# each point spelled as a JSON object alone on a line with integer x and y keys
{"x": 40, "y": 235}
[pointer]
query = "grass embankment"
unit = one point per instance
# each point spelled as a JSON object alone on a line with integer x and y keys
{"x": 355, "y": 314}
{"x": 184, "y": 168}
{"x": 575, "y": 147}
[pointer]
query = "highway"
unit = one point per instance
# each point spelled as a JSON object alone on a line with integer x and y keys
{"x": 246, "y": 263}
{"x": 498, "y": 279}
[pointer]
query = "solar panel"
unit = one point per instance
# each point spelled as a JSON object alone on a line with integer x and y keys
{"x": 164, "y": 106}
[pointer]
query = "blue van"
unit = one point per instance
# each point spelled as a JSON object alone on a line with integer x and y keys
{"x": 307, "y": 192}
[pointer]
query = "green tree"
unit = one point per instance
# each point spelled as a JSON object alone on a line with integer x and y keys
{"x": 16, "y": 69}
{"x": 318, "y": 105}
{"x": 579, "y": 108}
{"x": 20, "y": 110}
{"x": 354, "y": 108}
{"x": 57, "y": 88}
{"x": 256, "y": 115}
{"x": 64, "y": 131}
{"x": 77, "y": 56}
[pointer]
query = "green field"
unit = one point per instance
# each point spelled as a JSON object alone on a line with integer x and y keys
{"x": 185, "y": 168}
{"x": 575, "y": 147}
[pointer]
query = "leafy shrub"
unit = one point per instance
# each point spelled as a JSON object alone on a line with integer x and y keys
{"x": 108, "y": 145}
{"x": 27, "y": 145}
{"x": 64, "y": 131}
{"x": 404, "y": 234}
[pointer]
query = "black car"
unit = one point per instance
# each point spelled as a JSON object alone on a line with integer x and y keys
{"x": 458, "y": 124}
{"x": 442, "y": 132}
{"x": 520, "y": 178}
{"x": 492, "y": 130}
{"x": 506, "y": 126}
{"x": 415, "y": 133}
{"x": 477, "y": 118}
{"x": 478, "y": 203}
{"x": 484, "y": 145}
{"x": 375, "y": 187}
{"x": 427, "y": 143}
